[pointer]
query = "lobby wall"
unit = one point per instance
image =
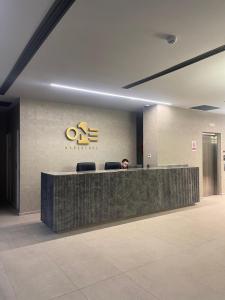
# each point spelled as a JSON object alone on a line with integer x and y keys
{"x": 44, "y": 147}
{"x": 174, "y": 130}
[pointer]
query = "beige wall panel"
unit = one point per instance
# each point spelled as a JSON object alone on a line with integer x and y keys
{"x": 150, "y": 136}
{"x": 43, "y": 142}
{"x": 177, "y": 128}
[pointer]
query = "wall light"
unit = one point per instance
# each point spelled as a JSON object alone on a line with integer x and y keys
{"x": 67, "y": 87}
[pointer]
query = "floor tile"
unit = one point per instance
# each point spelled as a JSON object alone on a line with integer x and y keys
{"x": 171, "y": 285}
{"x": 34, "y": 276}
{"x": 6, "y": 289}
{"x": 117, "y": 288}
{"x": 83, "y": 272}
{"x": 215, "y": 280}
{"x": 178, "y": 254}
{"x": 72, "y": 296}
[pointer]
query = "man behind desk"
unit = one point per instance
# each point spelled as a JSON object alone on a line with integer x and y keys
{"x": 125, "y": 163}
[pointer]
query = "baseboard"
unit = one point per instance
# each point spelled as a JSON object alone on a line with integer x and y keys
{"x": 29, "y": 212}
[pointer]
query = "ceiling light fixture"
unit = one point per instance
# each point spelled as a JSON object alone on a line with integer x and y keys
{"x": 67, "y": 87}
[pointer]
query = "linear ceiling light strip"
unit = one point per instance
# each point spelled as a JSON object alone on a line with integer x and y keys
{"x": 103, "y": 93}
{"x": 51, "y": 19}
{"x": 177, "y": 67}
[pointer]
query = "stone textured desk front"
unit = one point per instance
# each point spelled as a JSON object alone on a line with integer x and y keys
{"x": 74, "y": 200}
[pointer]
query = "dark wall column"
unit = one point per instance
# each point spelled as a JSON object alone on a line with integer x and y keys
{"x": 139, "y": 132}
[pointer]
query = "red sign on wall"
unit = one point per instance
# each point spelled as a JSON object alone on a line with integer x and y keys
{"x": 193, "y": 145}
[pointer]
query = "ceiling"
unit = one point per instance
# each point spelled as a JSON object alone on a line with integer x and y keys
{"x": 105, "y": 45}
{"x": 18, "y": 21}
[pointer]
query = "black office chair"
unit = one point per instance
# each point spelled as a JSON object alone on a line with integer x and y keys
{"x": 112, "y": 165}
{"x": 86, "y": 166}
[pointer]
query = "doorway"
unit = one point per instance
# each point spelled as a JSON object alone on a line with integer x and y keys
{"x": 211, "y": 170}
{"x": 9, "y": 156}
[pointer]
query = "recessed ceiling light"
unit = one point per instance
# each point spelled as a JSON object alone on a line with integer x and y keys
{"x": 82, "y": 90}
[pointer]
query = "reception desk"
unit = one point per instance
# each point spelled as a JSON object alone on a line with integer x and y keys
{"x": 74, "y": 200}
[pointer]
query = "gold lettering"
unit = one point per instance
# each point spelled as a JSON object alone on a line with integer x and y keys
{"x": 83, "y": 140}
{"x": 68, "y": 133}
{"x": 83, "y": 134}
{"x": 83, "y": 126}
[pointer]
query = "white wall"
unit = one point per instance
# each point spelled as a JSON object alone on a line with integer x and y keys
{"x": 176, "y": 129}
{"x": 43, "y": 143}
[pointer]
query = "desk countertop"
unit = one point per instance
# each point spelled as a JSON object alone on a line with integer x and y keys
{"x": 53, "y": 173}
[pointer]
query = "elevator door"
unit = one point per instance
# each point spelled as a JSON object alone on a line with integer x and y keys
{"x": 210, "y": 154}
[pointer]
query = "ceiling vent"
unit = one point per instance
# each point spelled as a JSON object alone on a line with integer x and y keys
{"x": 204, "y": 107}
{"x": 5, "y": 104}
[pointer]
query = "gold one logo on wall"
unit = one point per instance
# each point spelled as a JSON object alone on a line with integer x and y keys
{"x": 83, "y": 134}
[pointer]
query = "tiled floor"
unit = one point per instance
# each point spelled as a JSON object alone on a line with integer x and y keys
{"x": 176, "y": 255}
